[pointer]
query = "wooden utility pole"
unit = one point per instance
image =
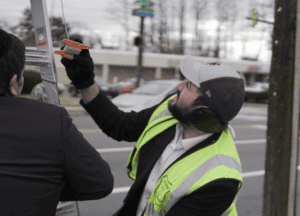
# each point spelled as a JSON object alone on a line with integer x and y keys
{"x": 283, "y": 113}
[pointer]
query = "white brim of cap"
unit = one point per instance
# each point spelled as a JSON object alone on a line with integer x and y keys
{"x": 197, "y": 73}
{"x": 189, "y": 68}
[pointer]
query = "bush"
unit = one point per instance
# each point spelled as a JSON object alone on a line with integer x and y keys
{"x": 31, "y": 79}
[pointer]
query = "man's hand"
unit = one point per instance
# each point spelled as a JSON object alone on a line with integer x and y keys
{"x": 80, "y": 70}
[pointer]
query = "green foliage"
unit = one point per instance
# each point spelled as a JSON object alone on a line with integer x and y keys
{"x": 31, "y": 79}
{"x": 26, "y": 31}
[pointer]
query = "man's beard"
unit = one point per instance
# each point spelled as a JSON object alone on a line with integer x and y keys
{"x": 182, "y": 114}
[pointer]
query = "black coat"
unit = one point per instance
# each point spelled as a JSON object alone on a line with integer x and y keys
{"x": 44, "y": 159}
{"x": 211, "y": 200}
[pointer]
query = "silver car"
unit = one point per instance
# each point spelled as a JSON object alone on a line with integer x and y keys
{"x": 146, "y": 96}
{"x": 104, "y": 86}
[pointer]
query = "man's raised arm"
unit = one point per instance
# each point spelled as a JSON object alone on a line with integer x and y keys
{"x": 89, "y": 93}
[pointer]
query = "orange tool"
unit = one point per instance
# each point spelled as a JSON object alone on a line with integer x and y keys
{"x": 72, "y": 48}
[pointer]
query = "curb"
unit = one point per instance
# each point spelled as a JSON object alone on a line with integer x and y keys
{"x": 71, "y": 104}
{"x": 78, "y": 110}
{"x": 73, "y": 107}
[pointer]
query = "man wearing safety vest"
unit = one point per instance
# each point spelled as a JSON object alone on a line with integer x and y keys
{"x": 185, "y": 161}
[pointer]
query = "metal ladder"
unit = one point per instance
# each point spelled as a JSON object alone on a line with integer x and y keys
{"x": 46, "y": 91}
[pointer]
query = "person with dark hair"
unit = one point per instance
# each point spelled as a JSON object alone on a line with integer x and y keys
{"x": 44, "y": 159}
{"x": 12, "y": 63}
{"x": 185, "y": 162}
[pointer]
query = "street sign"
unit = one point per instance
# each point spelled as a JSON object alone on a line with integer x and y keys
{"x": 144, "y": 10}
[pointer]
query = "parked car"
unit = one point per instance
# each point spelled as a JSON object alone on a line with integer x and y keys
{"x": 128, "y": 85}
{"x": 146, "y": 96}
{"x": 104, "y": 86}
{"x": 257, "y": 92}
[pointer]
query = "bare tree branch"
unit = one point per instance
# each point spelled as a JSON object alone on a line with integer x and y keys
{"x": 119, "y": 11}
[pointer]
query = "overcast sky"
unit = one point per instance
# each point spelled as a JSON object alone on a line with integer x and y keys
{"x": 92, "y": 14}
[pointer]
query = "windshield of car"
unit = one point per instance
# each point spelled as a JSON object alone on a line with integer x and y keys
{"x": 152, "y": 88}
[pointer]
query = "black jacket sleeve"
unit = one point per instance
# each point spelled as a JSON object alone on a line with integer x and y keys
{"x": 87, "y": 175}
{"x": 115, "y": 123}
{"x": 211, "y": 200}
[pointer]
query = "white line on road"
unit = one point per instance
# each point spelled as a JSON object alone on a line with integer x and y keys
{"x": 90, "y": 131}
{"x": 120, "y": 190}
{"x": 128, "y": 149}
{"x": 243, "y": 142}
{"x": 252, "y": 117}
{"x": 245, "y": 175}
{"x": 108, "y": 150}
{"x": 262, "y": 127}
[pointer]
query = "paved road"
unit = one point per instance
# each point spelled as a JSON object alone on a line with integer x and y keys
{"x": 250, "y": 124}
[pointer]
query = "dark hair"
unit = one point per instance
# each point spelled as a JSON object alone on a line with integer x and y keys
{"x": 13, "y": 62}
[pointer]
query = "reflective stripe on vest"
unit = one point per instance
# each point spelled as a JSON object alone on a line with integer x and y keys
{"x": 161, "y": 116}
{"x": 159, "y": 204}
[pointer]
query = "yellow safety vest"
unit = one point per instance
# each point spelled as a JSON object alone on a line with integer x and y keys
{"x": 216, "y": 161}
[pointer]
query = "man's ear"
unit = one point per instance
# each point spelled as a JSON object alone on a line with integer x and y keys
{"x": 14, "y": 87}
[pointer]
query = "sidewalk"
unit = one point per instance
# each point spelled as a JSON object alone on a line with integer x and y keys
{"x": 71, "y": 104}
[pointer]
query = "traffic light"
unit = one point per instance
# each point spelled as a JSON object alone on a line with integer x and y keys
{"x": 254, "y": 17}
{"x": 138, "y": 41}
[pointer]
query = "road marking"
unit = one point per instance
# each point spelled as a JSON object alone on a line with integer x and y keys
{"x": 245, "y": 175}
{"x": 109, "y": 150}
{"x": 241, "y": 126}
{"x": 128, "y": 149}
{"x": 262, "y": 127}
{"x": 243, "y": 142}
{"x": 120, "y": 190}
{"x": 90, "y": 131}
{"x": 252, "y": 117}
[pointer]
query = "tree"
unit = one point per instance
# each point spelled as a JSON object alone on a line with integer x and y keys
{"x": 181, "y": 13}
{"x": 222, "y": 11}
{"x": 150, "y": 35}
{"x": 232, "y": 15}
{"x": 119, "y": 11}
{"x": 58, "y": 31}
{"x": 163, "y": 34}
{"x": 265, "y": 12}
{"x": 277, "y": 179}
{"x": 199, "y": 7}
{"x": 25, "y": 29}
